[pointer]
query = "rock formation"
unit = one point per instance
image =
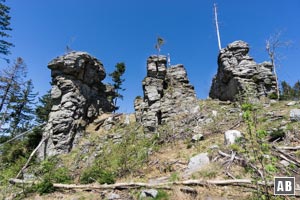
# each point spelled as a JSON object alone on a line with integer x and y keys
{"x": 238, "y": 74}
{"x": 167, "y": 93}
{"x": 78, "y": 97}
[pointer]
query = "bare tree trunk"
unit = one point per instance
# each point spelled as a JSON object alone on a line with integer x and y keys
{"x": 217, "y": 26}
{"x": 272, "y": 45}
{"x": 276, "y": 77}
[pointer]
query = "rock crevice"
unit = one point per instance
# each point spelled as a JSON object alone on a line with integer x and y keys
{"x": 167, "y": 93}
{"x": 238, "y": 74}
{"x": 78, "y": 97}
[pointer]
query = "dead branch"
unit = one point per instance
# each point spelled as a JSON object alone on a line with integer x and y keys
{"x": 285, "y": 158}
{"x": 31, "y": 156}
{"x": 296, "y": 162}
{"x": 289, "y": 148}
{"x": 237, "y": 124}
{"x": 244, "y": 161}
{"x": 24, "y": 133}
{"x": 100, "y": 122}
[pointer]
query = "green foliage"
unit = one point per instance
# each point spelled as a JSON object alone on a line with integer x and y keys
{"x": 126, "y": 156}
{"x": 273, "y": 96}
{"x": 44, "y": 187}
{"x": 236, "y": 147}
{"x": 118, "y": 81}
{"x": 278, "y": 133}
{"x": 162, "y": 195}
{"x": 94, "y": 173}
{"x": 12, "y": 152}
{"x": 160, "y": 41}
{"x": 50, "y": 172}
{"x": 4, "y": 28}
{"x": 22, "y": 111}
{"x": 43, "y": 109}
{"x": 287, "y": 92}
{"x": 209, "y": 173}
{"x": 297, "y": 153}
{"x": 174, "y": 176}
{"x": 33, "y": 138}
{"x": 11, "y": 81}
{"x": 256, "y": 148}
{"x": 11, "y": 169}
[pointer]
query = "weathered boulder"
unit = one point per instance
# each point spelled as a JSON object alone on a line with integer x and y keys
{"x": 167, "y": 93}
{"x": 152, "y": 193}
{"x": 238, "y": 74}
{"x": 295, "y": 115}
{"x": 230, "y": 136}
{"x": 78, "y": 97}
{"x": 196, "y": 163}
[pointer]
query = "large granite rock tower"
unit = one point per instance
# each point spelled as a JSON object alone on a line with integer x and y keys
{"x": 78, "y": 97}
{"x": 167, "y": 94}
{"x": 239, "y": 74}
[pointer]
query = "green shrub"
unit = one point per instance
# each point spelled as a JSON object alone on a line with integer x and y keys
{"x": 44, "y": 187}
{"x": 62, "y": 175}
{"x": 126, "y": 156}
{"x": 162, "y": 195}
{"x": 273, "y": 96}
{"x": 51, "y": 173}
{"x": 94, "y": 173}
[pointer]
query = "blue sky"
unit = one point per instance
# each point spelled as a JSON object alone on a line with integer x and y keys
{"x": 126, "y": 31}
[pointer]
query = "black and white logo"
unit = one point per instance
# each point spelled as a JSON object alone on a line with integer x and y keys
{"x": 284, "y": 186}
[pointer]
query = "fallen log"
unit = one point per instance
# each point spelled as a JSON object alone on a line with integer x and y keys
{"x": 289, "y": 148}
{"x": 136, "y": 185}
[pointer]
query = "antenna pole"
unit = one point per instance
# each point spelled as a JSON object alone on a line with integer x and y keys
{"x": 217, "y": 26}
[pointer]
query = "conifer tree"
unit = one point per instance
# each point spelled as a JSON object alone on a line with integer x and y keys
{"x": 22, "y": 112}
{"x": 296, "y": 90}
{"x": 286, "y": 91}
{"x": 118, "y": 81}
{"x": 11, "y": 81}
{"x": 4, "y": 28}
{"x": 43, "y": 109}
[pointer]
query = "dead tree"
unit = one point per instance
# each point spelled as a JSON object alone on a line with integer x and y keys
{"x": 217, "y": 26}
{"x": 272, "y": 45}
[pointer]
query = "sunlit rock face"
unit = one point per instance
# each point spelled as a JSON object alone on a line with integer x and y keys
{"x": 167, "y": 94}
{"x": 238, "y": 74}
{"x": 78, "y": 97}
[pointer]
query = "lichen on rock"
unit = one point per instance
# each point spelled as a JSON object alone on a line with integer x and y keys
{"x": 78, "y": 97}
{"x": 239, "y": 74}
{"x": 167, "y": 93}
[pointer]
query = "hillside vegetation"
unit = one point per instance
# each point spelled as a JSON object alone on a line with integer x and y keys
{"x": 120, "y": 152}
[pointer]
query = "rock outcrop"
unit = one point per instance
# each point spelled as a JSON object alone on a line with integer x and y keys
{"x": 238, "y": 74}
{"x": 167, "y": 93}
{"x": 78, "y": 97}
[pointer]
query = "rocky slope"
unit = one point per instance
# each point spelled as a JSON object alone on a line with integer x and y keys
{"x": 173, "y": 143}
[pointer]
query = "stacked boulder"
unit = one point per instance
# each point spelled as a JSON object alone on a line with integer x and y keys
{"x": 78, "y": 97}
{"x": 239, "y": 75}
{"x": 167, "y": 94}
